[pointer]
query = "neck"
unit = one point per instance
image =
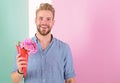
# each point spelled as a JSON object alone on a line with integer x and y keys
{"x": 44, "y": 39}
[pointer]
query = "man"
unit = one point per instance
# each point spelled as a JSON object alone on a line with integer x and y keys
{"x": 52, "y": 63}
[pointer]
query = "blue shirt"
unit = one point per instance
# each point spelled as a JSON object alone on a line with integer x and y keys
{"x": 53, "y": 65}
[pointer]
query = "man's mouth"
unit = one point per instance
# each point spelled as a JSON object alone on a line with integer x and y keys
{"x": 44, "y": 27}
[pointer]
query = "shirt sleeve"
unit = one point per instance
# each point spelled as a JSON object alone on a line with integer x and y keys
{"x": 14, "y": 66}
{"x": 68, "y": 64}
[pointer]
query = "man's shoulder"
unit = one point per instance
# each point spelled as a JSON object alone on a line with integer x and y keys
{"x": 61, "y": 42}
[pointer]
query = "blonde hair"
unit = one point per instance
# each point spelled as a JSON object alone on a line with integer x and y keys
{"x": 46, "y": 6}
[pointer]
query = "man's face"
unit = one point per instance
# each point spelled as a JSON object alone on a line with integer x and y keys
{"x": 44, "y": 22}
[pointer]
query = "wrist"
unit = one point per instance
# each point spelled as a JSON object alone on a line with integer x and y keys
{"x": 19, "y": 72}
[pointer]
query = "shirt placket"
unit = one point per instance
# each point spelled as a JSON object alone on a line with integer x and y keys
{"x": 42, "y": 68}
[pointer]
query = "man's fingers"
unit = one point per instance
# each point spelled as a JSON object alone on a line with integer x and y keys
{"x": 18, "y": 56}
{"x": 21, "y": 59}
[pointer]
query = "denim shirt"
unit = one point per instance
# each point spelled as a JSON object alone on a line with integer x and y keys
{"x": 52, "y": 65}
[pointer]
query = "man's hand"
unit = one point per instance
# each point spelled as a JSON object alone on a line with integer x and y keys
{"x": 70, "y": 80}
{"x": 21, "y": 62}
{"x": 17, "y": 75}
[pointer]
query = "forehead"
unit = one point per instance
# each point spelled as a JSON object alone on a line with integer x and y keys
{"x": 44, "y": 13}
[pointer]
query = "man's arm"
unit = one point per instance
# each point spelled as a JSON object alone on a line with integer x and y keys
{"x": 69, "y": 73}
{"x": 16, "y": 77}
{"x": 70, "y": 80}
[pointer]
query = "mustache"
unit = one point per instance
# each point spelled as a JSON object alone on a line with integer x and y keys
{"x": 43, "y": 25}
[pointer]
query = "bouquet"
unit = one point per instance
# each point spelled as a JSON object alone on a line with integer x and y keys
{"x": 26, "y": 48}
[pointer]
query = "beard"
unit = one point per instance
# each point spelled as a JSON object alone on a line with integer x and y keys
{"x": 43, "y": 29}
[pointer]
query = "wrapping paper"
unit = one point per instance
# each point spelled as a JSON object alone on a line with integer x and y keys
{"x": 23, "y": 53}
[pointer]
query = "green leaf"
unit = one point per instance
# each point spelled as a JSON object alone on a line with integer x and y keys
{"x": 18, "y": 43}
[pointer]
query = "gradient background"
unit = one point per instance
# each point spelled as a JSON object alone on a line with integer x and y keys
{"x": 13, "y": 28}
{"x": 90, "y": 27}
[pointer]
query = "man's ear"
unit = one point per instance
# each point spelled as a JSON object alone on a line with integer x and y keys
{"x": 53, "y": 22}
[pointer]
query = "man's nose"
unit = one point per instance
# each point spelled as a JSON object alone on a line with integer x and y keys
{"x": 44, "y": 21}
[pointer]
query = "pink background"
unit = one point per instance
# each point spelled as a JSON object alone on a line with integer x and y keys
{"x": 92, "y": 29}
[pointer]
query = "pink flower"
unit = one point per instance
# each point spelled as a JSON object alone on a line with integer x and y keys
{"x": 29, "y": 45}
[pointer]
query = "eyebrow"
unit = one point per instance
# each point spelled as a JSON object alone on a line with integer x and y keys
{"x": 45, "y": 17}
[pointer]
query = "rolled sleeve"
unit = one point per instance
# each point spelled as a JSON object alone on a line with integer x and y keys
{"x": 68, "y": 65}
{"x": 14, "y": 67}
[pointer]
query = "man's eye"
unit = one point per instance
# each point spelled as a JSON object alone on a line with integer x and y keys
{"x": 48, "y": 19}
{"x": 41, "y": 18}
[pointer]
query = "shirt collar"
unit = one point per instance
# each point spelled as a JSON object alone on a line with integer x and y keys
{"x": 36, "y": 39}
